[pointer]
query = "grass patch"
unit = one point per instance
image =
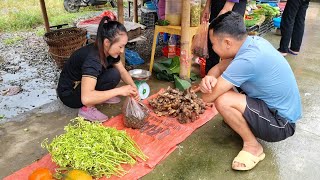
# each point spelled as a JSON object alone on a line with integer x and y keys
{"x": 40, "y": 32}
{"x": 19, "y": 15}
{"x": 13, "y": 40}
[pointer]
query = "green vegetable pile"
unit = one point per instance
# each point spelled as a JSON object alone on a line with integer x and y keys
{"x": 163, "y": 22}
{"x": 264, "y": 12}
{"x": 94, "y": 148}
{"x": 268, "y": 10}
{"x": 254, "y": 19}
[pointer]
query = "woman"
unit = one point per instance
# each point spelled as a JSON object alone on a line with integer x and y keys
{"x": 213, "y": 9}
{"x": 292, "y": 26}
{"x": 91, "y": 74}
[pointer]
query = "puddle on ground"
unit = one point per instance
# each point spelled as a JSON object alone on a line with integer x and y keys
{"x": 28, "y": 66}
{"x": 35, "y": 92}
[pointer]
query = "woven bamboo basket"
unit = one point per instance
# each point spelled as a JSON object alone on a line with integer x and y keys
{"x": 63, "y": 42}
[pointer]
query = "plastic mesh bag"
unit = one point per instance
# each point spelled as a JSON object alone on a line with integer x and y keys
{"x": 135, "y": 113}
{"x": 199, "y": 45}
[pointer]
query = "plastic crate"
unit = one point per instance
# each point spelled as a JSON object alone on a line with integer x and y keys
{"x": 149, "y": 19}
{"x": 265, "y": 27}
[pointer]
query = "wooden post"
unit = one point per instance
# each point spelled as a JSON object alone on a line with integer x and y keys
{"x": 185, "y": 60}
{"x": 44, "y": 15}
{"x": 121, "y": 20}
{"x": 120, "y": 11}
{"x": 135, "y": 11}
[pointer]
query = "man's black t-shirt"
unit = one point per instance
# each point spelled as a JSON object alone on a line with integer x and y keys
{"x": 83, "y": 62}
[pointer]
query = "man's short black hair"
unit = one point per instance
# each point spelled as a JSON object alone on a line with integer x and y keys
{"x": 229, "y": 23}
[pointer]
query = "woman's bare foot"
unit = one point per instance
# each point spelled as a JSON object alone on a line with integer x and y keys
{"x": 282, "y": 53}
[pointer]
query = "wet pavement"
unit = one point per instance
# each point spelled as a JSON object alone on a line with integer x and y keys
{"x": 25, "y": 64}
{"x": 209, "y": 151}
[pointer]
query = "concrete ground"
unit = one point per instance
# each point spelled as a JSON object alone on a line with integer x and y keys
{"x": 209, "y": 151}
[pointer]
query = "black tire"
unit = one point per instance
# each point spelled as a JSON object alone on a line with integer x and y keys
{"x": 114, "y": 3}
{"x": 71, "y": 6}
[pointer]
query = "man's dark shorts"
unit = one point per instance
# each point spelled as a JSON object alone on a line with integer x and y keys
{"x": 265, "y": 123}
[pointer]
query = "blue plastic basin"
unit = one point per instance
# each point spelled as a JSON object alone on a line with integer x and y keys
{"x": 150, "y": 5}
{"x": 276, "y": 22}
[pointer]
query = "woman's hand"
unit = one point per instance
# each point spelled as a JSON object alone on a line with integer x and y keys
{"x": 128, "y": 90}
{"x": 223, "y": 11}
{"x": 136, "y": 97}
{"x": 228, "y": 6}
{"x": 207, "y": 83}
{"x": 205, "y": 14}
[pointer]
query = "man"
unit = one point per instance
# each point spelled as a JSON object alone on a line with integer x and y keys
{"x": 270, "y": 105}
{"x": 213, "y": 9}
{"x": 292, "y": 26}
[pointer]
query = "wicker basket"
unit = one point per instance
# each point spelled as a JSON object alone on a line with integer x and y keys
{"x": 63, "y": 42}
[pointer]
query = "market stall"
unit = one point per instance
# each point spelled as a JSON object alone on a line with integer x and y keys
{"x": 261, "y": 16}
{"x": 181, "y": 18}
{"x": 121, "y": 147}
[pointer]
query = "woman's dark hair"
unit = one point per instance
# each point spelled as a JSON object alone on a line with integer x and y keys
{"x": 229, "y": 23}
{"x": 110, "y": 30}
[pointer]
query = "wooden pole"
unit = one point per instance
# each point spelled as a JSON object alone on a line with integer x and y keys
{"x": 185, "y": 60}
{"x": 44, "y": 15}
{"x": 135, "y": 11}
{"x": 120, "y": 11}
{"x": 121, "y": 20}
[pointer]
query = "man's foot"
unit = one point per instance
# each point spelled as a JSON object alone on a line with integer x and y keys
{"x": 248, "y": 160}
{"x": 293, "y": 52}
{"x": 113, "y": 100}
{"x": 248, "y": 157}
{"x": 92, "y": 114}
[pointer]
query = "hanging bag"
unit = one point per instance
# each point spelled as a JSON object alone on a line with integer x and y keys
{"x": 199, "y": 45}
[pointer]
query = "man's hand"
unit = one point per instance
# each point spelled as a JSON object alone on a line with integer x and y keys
{"x": 207, "y": 83}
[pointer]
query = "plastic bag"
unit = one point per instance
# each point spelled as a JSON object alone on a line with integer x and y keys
{"x": 199, "y": 45}
{"x": 133, "y": 58}
{"x": 135, "y": 113}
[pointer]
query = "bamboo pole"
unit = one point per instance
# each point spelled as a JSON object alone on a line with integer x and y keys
{"x": 44, "y": 15}
{"x": 135, "y": 11}
{"x": 185, "y": 60}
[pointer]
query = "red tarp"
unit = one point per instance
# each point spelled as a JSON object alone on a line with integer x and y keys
{"x": 157, "y": 139}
